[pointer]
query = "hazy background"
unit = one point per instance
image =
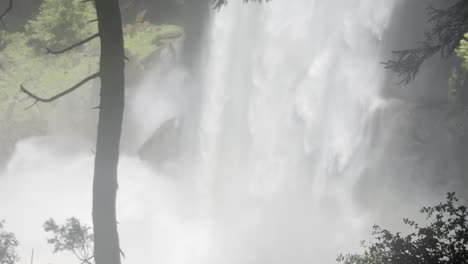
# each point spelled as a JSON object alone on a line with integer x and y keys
{"x": 273, "y": 135}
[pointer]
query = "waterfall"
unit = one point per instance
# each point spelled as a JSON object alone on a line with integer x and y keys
{"x": 256, "y": 157}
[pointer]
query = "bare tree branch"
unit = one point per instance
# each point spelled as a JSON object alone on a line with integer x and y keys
{"x": 31, "y": 105}
{"x": 55, "y": 52}
{"x": 59, "y": 95}
{"x": 3, "y": 15}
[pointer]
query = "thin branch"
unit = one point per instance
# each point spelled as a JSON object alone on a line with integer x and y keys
{"x": 408, "y": 62}
{"x": 74, "y": 253}
{"x": 87, "y": 260}
{"x": 3, "y": 15}
{"x": 31, "y": 106}
{"x": 55, "y": 52}
{"x": 59, "y": 95}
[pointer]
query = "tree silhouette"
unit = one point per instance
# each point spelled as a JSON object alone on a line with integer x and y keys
{"x": 111, "y": 73}
{"x": 72, "y": 237}
{"x": 450, "y": 25}
{"x": 443, "y": 241}
{"x": 8, "y": 244}
{"x": 111, "y": 106}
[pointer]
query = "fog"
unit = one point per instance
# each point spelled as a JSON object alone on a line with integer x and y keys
{"x": 282, "y": 140}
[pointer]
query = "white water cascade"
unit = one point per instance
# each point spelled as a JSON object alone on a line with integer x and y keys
{"x": 270, "y": 143}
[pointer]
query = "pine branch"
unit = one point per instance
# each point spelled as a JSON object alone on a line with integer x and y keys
{"x": 408, "y": 62}
{"x": 84, "y": 41}
{"x": 449, "y": 27}
{"x": 59, "y": 95}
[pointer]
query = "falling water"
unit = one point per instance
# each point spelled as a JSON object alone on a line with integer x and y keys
{"x": 256, "y": 159}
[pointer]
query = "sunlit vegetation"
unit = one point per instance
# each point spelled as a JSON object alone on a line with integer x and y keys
{"x": 24, "y": 59}
{"x": 462, "y": 52}
{"x": 458, "y": 94}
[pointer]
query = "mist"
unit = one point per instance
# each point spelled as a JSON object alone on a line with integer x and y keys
{"x": 269, "y": 133}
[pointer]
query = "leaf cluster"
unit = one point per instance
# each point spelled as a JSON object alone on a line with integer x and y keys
{"x": 443, "y": 241}
{"x": 61, "y": 23}
{"x": 8, "y": 245}
{"x": 24, "y": 60}
{"x": 72, "y": 237}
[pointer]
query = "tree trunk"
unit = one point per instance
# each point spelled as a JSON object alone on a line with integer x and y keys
{"x": 106, "y": 239}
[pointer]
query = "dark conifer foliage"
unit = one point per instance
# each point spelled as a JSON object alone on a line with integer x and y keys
{"x": 449, "y": 27}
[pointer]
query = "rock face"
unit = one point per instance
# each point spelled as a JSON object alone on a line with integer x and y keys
{"x": 164, "y": 145}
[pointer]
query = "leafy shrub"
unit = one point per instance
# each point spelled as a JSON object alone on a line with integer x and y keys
{"x": 8, "y": 244}
{"x": 443, "y": 241}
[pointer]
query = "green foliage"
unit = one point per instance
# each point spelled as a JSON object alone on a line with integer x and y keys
{"x": 8, "y": 244}
{"x": 443, "y": 241}
{"x": 44, "y": 75}
{"x": 462, "y": 52}
{"x": 457, "y": 83}
{"x": 143, "y": 39}
{"x": 24, "y": 60}
{"x": 457, "y": 115}
{"x": 62, "y": 22}
{"x": 72, "y": 237}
